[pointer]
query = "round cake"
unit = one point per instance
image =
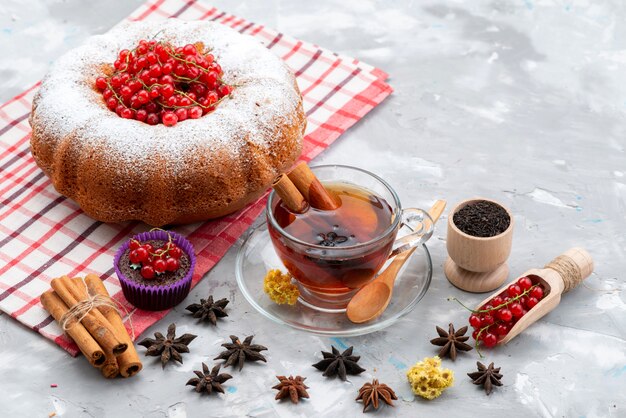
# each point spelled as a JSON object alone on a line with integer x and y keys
{"x": 121, "y": 169}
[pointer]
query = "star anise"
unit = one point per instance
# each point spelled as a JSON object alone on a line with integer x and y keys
{"x": 451, "y": 341}
{"x": 292, "y": 387}
{"x": 168, "y": 348}
{"x": 371, "y": 393}
{"x": 486, "y": 376}
{"x": 239, "y": 352}
{"x": 209, "y": 382}
{"x": 331, "y": 239}
{"x": 339, "y": 364}
{"x": 209, "y": 310}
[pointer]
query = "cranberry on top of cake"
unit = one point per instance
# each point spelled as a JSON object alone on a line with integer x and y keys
{"x": 157, "y": 82}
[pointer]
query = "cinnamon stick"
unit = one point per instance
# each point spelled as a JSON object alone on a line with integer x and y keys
{"x": 128, "y": 362}
{"x": 87, "y": 345}
{"x": 94, "y": 321}
{"x": 310, "y": 187}
{"x": 289, "y": 194}
{"x": 110, "y": 369}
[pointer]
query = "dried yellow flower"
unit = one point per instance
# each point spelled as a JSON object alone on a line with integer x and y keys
{"x": 428, "y": 379}
{"x": 279, "y": 288}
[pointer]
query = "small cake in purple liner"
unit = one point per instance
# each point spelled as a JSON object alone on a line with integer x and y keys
{"x": 163, "y": 290}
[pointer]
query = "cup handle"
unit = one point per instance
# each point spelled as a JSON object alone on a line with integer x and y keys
{"x": 422, "y": 225}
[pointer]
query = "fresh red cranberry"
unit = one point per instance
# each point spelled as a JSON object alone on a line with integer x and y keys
{"x": 169, "y": 119}
{"x": 489, "y": 340}
{"x": 127, "y": 113}
{"x": 141, "y": 115}
{"x": 475, "y": 321}
{"x": 142, "y": 254}
{"x": 159, "y": 265}
{"x": 154, "y": 92}
{"x": 171, "y": 101}
{"x": 192, "y": 72}
{"x": 133, "y": 257}
{"x": 223, "y": 90}
{"x": 216, "y": 67}
{"x": 502, "y": 330}
{"x": 101, "y": 83}
{"x": 523, "y": 300}
{"x": 142, "y": 62}
{"x": 505, "y": 314}
{"x": 486, "y": 319}
{"x": 211, "y": 78}
{"x": 525, "y": 283}
{"x": 152, "y": 107}
{"x": 532, "y": 302}
{"x": 147, "y": 272}
{"x": 142, "y": 48}
{"x": 189, "y": 49}
{"x": 195, "y": 112}
{"x": 514, "y": 290}
{"x": 517, "y": 310}
{"x": 116, "y": 81}
{"x": 212, "y": 97}
{"x": 198, "y": 89}
{"x": 172, "y": 264}
{"x": 166, "y": 79}
{"x": 180, "y": 70}
{"x": 125, "y": 91}
{"x": 112, "y": 103}
{"x": 135, "y": 85}
{"x": 496, "y": 301}
{"x": 152, "y": 57}
{"x": 155, "y": 70}
{"x": 143, "y": 96}
{"x": 152, "y": 119}
{"x": 166, "y": 68}
{"x": 181, "y": 114}
{"x": 536, "y": 292}
{"x": 175, "y": 252}
{"x": 167, "y": 90}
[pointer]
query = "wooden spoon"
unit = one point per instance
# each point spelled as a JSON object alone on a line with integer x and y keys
{"x": 560, "y": 275}
{"x": 373, "y": 298}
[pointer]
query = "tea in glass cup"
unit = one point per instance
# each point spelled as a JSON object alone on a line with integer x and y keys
{"x": 333, "y": 253}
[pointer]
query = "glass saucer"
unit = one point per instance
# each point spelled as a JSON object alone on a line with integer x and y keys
{"x": 257, "y": 255}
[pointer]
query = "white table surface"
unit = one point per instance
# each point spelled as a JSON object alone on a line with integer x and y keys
{"x": 520, "y": 101}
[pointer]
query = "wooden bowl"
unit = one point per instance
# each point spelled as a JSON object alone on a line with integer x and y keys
{"x": 477, "y": 264}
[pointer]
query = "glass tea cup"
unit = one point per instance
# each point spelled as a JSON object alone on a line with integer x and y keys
{"x": 328, "y": 268}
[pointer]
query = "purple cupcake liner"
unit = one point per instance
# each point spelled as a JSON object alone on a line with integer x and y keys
{"x": 157, "y": 297}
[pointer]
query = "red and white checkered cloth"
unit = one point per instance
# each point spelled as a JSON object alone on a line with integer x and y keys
{"x": 44, "y": 235}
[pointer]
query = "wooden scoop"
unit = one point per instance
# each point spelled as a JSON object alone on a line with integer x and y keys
{"x": 373, "y": 298}
{"x": 560, "y": 275}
